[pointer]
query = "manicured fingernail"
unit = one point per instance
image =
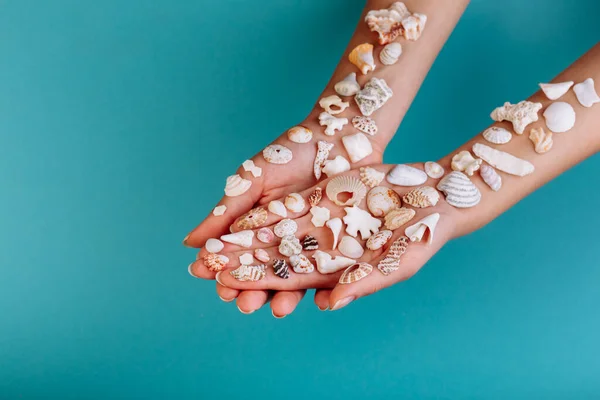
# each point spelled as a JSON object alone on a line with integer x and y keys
{"x": 190, "y": 270}
{"x": 323, "y": 309}
{"x": 342, "y": 303}
{"x": 218, "y": 276}
{"x": 226, "y": 301}
{"x": 244, "y": 312}
{"x": 185, "y": 241}
{"x": 273, "y": 314}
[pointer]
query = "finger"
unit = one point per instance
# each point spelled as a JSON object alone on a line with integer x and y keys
{"x": 322, "y": 299}
{"x": 284, "y": 303}
{"x": 226, "y": 294}
{"x": 249, "y": 301}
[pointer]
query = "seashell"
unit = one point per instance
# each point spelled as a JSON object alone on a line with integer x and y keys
{"x": 301, "y": 264}
{"x": 404, "y": 175}
{"x": 328, "y": 265}
{"x": 246, "y": 259}
{"x": 459, "y": 190}
{"x": 299, "y": 134}
{"x": 497, "y": 135}
{"x": 373, "y": 96}
{"x": 315, "y": 197}
{"x": 333, "y": 104}
{"x": 416, "y": 232}
{"x": 333, "y": 123}
{"x": 289, "y": 246}
{"x": 358, "y": 146}
{"x": 413, "y": 26}
{"x": 392, "y": 260}
{"x": 362, "y": 57}
{"x": 387, "y": 22}
{"x": 320, "y": 215}
{"x": 396, "y": 218}
{"x": 465, "y": 162}
{"x": 278, "y": 208}
{"x": 241, "y": 238}
{"x": 359, "y": 220}
{"x": 355, "y": 273}
{"x": 294, "y": 202}
{"x": 249, "y": 166}
{"x": 215, "y": 262}
{"x": 213, "y": 245}
{"x": 309, "y": 243}
{"x": 586, "y": 93}
{"x": 323, "y": 149}
{"x": 560, "y": 117}
{"x": 285, "y": 227}
{"x": 398, "y": 247}
{"x": 379, "y": 239}
{"x": 434, "y": 170}
{"x": 520, "y": 114}
{"x": 390, "y": 54}
{"x": 491, "y": 177}
{"x": 261, "y": 255}
{"x": 365, "y": 124}
{"x": 236, "y": 185}
{"x": 554, "y": 91}
{"x": 370, "y": 176}
{"x": 249, "y": 273}
{"x": 335, "y": 225}
{"x": 265, "y": 235}
{"x": 350, "y": 247}
{"x": 347, "y": 86}
{"x": 253, "y": 218}
{"x": 277, "y": 154}
{"x": 280, "y": 268}
{"x": 346, "y": 184}
{"x": 422, "y": 197}
{"x": 542, "y": 141}
{"x": 381, "y": 200}
{"x": 219, "y": 210}
{"x": 503, "y": 161}
{"x": 336, "y": 166}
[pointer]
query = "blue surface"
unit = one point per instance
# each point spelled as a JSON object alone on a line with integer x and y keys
{"x": 115, "y": 121}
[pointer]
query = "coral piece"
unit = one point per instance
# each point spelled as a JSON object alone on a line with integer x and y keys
{"x": 241, "y": 238}
{"x": 347, "y": 86}
{"x": 387, "y": 23}
{"x": 249, "y": 166}
{"x": 346, "y": 184}
{"x": 465, "y": 162}
{"x": 362, "y": 57}
{"x": 301, "y": 264}
{"x": 365, "y": 124}
{"x": 370, "y": 176}
{"x": 246, "y": 259}
{"x": 323, "y": 149}
{"x": 294, "y": 202}
{"x": 373, "y": 96}
{"x": 390, "y": 54}
{"x": 277, "y": 154}
{"x": 503, "y": 161}
{"x": 404, "y": 175}
{"x": 289, "y": 246}
{"x": 381, "y": 200}
{"x": 459, "y": 190}
{"x": 336, "y": 166}
{"x": 262, "y": 255}
{"x": 249, "y": 273}
{"x": 265, "y": 235}
{"x": 309, "y": 243}
{"x": 422, "y": 197}
{"x": 299, "y": 134}
{"x": 328, "y": 265}
{"x": 215, "y": 262}
{"x": 333, "y": 123}
{"x": 219, "y": 210}
{"x": 379, "y": 239}
{"x": 497, "y": 135}
{"x": 213, "y": 245}
{"x": 358, "y": 146}
{"x": 320, "y": 215}
{"x": 350, "y": 247}
{"x": 236, "y": 185}
{"x": 278, "y": 208}
{"x": 491, "y": 177}
{"x": 335, "y": 225}
{"x": 315, "y": 197}
{"x": 253, "y": 218}
{"x": 434, "y": 170}
{"x": 416, "y": 232}
{"x": 396, "y": 218}
{"x": 392, "y": 260}
{"x": 542, "y": 141}
{"x": 355, "y": 273}
{"x": 333, "y": 104}
{"x": 280, "y": 268}
{"x": 555, "y": 91}
{"x": 285, "y": 227}
{"x": 520, "y": 114}
{"x": 359, "y": 220}
{"x": 560, "y": 117}
{"x": 586, "y": 93}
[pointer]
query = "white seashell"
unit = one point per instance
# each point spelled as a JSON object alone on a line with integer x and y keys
{"x": 459, "y": 190}
{"x": 560, "y": 117}
{"x": 320, "y": 215}
{"x": 542, "y": 140}
{"x": 328, "y": 265}
{"x": 434, "y": 170}
{"x": 265, "y": 235}
{"x": 249, "y": 166}
{"x": 262, "y": 255}
{"x": 249, "y": 273}
{"x": 373, "y": 96}
{"x": 323, "y": 149}
{"x": 390, "y": 53}
{"x": 335, "y": 225}
{"x": 355, "y": 273}
{"x": 277, "y": 154}
{"x": 465, "y": 162}
{"x": 289, "y": 246}
{"x": 333, "y": 123}
{"x": 350, "y": 247}
{"x": 520, "y": 114}
{"x": 387, "y": 22}
{"x": 413, "y": 26}
{"x": 358, "y": 146}
{"x": 362, "y": 57}
{"x": 346, "y": 184}
{"x": 285, "y": 227}
{"x": 416, "y": 232}
{"x": 347, "y": 86}
{"x": 554, "y": 91}
{"x": 299, "y": 134}
{"x": 277, "y": 208}
{"x": 396, "y": 218}
{"x": 236, "y": 185}
{"x": 379, "y": 239}
{"x": 301, "y": 264}
{"x": 246, "y": 259}
{"x": 404, "y": 175}
{"x": 365, "y": 124}
{"x": 586, "y": 93}
{"x": 241, "y": 238}
{"x": 333, "y": 104}
{"x": 370, "y": 176}
{"x": 359, "y": 220}
{"x": 503, "y": 161}
{"x": 497, "y": 135}
{"x": 336, "y": 166}
{"x": 219, "y": 210}
{"x": 295, "y": 202}
{"x": 214, "y": 245}
{"x": 491, "y": 177}
{"x": 381, "y": 200}
{"x": 422, "y": 197}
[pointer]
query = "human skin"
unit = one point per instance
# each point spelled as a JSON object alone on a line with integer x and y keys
{"x": 569, "y": 148}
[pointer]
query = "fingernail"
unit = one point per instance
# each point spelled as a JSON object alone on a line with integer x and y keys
{"x": 273, "y": 314}
{"x": 323, "y": 309}
{"x": 217, "y": 278}
{"x": 185, "y": 241}
{"x": 190, "y": 270}
{"x": 226, "y": 301}
{"x": 342, "y": 303}
{"x": 244, "y": 312}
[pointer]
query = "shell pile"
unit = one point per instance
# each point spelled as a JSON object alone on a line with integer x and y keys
{"x": 346, "y": 185}
{"x": 355, "y": 273}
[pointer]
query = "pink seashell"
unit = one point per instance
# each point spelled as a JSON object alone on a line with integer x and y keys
{"x": 265, "y": 235}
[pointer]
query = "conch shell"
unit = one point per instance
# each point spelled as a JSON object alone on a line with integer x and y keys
{"x": 362, "y": 57}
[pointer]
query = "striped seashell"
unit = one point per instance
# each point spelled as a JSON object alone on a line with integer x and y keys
{"x": 497, "y": 135}
{"x": 309, "y": 243}
{"x": 285, "y": 227}
{"x": 249, "y": 273}
{"x": 370, "y": 176}
{"x": 215, "y": 262}
{"x": 315, "y": 197}
{"x": 355, "y": 273}
{"x": 396, "y": 218}
{"x": 253, "y": 218}
{"x": 390, "y": 53}
{"x": 379, "y": 240}
{"x": 346, "y": 184}
{"x": 422, "y": 197}
{"x": 289, "y": 246}
{"x": 280, "y": 268}
{"x": 365, "y": 124}
{"x": 388, "y": 265}
{"x": 459, "y": 190}
{"x": 301, "y": 264}
{"x": 398, "y": 248}
{"x": 491, "y": 177}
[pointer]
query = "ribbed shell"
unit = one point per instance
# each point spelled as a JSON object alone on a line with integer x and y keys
{"x": 281, "y": 269}
{"x": 215, "y": 262}
{"x": 371, "y": 177}
{"x": 390, "y": 53}
{"x": 315, "y": 197}
{"x": 396, "y": 218}
{"x": 392, "y": 260}
{"x": 422, "y": 197}
{"x": 309, "y": 243}
{"x": 491, "y": 177}
{"x": 497, "y": 135}
{"x": 346, "y": 184}
{"x": 253, "y": 218}
{"x": 459, "y": 190}
{"x": 249, "y": 273}
{"x": 355, "y": 273}
{"x": 236, "y": 185}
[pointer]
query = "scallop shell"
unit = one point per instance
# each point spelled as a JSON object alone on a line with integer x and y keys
{"x": 391, "y": 262}
{"x": 315, "y": 197}
{"x": 278, "y": 208}
{"x": 289, "y": 246}
{"x": 332, "y": 123}
{"x": 215, "y": 262}
{"x": 320, "y": 215}
{"x": 422, "y": 197}
{"x": 396, "y": 218}
{"x": 265, "y": 235}
{"x": 261, "y": 255}
{"x": 586, "y": 93}
{"x": 333, "y": 104}
{"x": 373, "y": 96}
{"x": 379, "y": 239}
{"x": 390, "y": 53}
{"x": 359, "y": 220}
{"x": 491, "y": 177}
{"x": 236, "y": 185}
{"x": 417, "y": 231}
{"x": 434, "y": 170}
{"x": 299, "y": 134}
{"x": 301, "y": 264}
{"x": 362, "y": 57}
{"x": 294, "y": 202}
{"x": 336, "y": 166}
{"x": 253, "y": 218}
{"x": 323, "y": 149}
{"x": 370, "y": 176}
{"x": 309, "y": 243}
{"x": 387, "y": 23}
{"x": 280, "y": 268}
{"x": 346, "y": 184}
{"x": 246, "y": 259}
{"x": 497, "y": 135}
{"x": 328, "y": 265}
{"x": 249, "y": 166}
{"x": 249, "y": 273}
{"x": 219, "y": 210}
{"x": 277, "y": 154}
{"x": 335, "y": 225}
{"x": 365, "y": 124}
{"x": 554, "y": 91}
{"x": 241, "y": 238}
{"x": 503, "y": 161}
{"x": 381, "y": 200}
{"x": 213, "y": 245}
{"x": 465, "y": 162}
{"x": 350, "y": 247}
{"x": 358, "y": 146}
{"x": 560, "y": 117}
{"x": 285, "y": 227}
{"x": 542, "y": 141}
{"x": 347, "y": 86}
{"x": 459, "y": 190}
{"x": 355, "y": 273}
{"x": 520, "y": 114}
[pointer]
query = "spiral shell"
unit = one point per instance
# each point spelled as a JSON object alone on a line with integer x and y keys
{"x": 459, "y": 190}
{"x": 491, "y": 177}
{"x": 396, "y": 218}
{"x": 422, "y": 197}
{"x": 280, "y": 268}
{"x": 309, "y": 243}
{"x": 379, "y": 239}
{"x": 381, "y": 200}
{"x": 294, "y": 202}
{"x": 215, "y": 262}
{"x": 355, "y": 273}
{"x": 370, "y": 176}
{"x": 391, "y": 262}
{"x": 346, "y": 184}
{"x": 390, "y": 53}
{"x": 253, "y": 218}
{"x": 497, "y": 135}
{"x": 315, "y": 197}
{"x": 249, "y": 273}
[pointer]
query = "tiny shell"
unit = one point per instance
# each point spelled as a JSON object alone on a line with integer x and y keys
{"x": 336, "y": 166}
{"x": 422, "y": 197}
{"x": 299, "y": 134}
{"x": 285, "y": 227}
{"x": 417, "y": 231}
{"x": 333, "y": 104}
{"x": 392, "y": 260}
{"x": 277, "y": 208}
{"x": 396, "y": 218}
{"x": 213, "y": 245}
{"x": 333, "y": 123}
{"x": 328, "y": 265}
{"x": 554, "y": 91}
{"x": 497, "y": 135}
{"x": 350, "y": 247}
{"x": 315, "y": 197}
{"x": 358, "y": 146}
{"x": 503, "y": 161}
{"x": 381, "y": 200}
{"x": 253, "y": 218}
{"x": 359, "y": 220}
{"x": 465, "y": 162}
{"x": 491, "y": 177}
{"x": 390, "y": 53}
{"x": 347, "y": 86}
{"x": 404, "y": 175}
{"x": 309, "y": 243}
{"x": 346, "y": 184}
{"x": 370, "y": 176}
{"x": 542, "y": 141}
{"x": 373, "y": 96}
{"x": 289, "y": 246}
{"x": 249, "y": 273}
{"x": 362, "y": 57}
{"x": 261, "y": 255}
{"x": 355, "y": 273}
{"x": 249, "y": 166}
{"x": 242, "y": 238}
{"x": 246, "y": 259}
{"x": 219, "y": 210}
{"x": 294, "y": 202}
{"x": 520, "y": 114}
{"x": 236, "y": 185}
{"x": 434, "y": 170}
{"x": 387, "y": 23}
{"x": 323, "y": 149}
{"x": 280, "y": 268}
{"x": 277, "y": 154}
{"x": 265, "y": 235}
{"x": 413, "y": 26}
{"x": 215, "y": 262}
{"x": 335, "y": 225}
{"x": 379, "y": 239}
{"x": 301, "y": 264}
{"x": 320, "y": 215}
{"x": 586, "y": 93}
{"x": 560, "y": 117}
{"x": 365, "y": 124}
{"x": 459, "y": 190}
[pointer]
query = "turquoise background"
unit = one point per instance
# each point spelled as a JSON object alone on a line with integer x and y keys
{"x": 117, "y": 120}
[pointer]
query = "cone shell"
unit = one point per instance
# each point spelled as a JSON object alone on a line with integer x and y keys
{"x": 241, "y": 238}
{"x": 355, "y": 273}
{"x": 422, "y": 197}
{"x": 396, "y": 218}
{"x": 277, "y": 154}
{"x": 265, "y": 235}
{"x": 289, "y": 246}
{"x": 309, "y": 243}
{"x": 497, "y": 135}
{"x": 346, "y": 184}
{"x": 253, "y": 218}
{"x": 379, "y": 239}
{"x": 249, "y": 273}
{"x": 491, "y": 177}
{"x": 299, "y": 134}
{"x": 236, "y": 185}
{"x": 362, "y": 57}
{"x": 365, "y": 124}
{"x": 315, "y": 197}
{"x": 261, "y": 255}
{"x": 281, "y": 269}
{"x": 434, "y": 170}
{"x": 370, "y": 176}
{"x": 382, "y": 200}
{"x": 285, "y": 227}
{"x": 459, "y": 190}
{"x": 215, "y": 262}
{"x": 542, "y": 141}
